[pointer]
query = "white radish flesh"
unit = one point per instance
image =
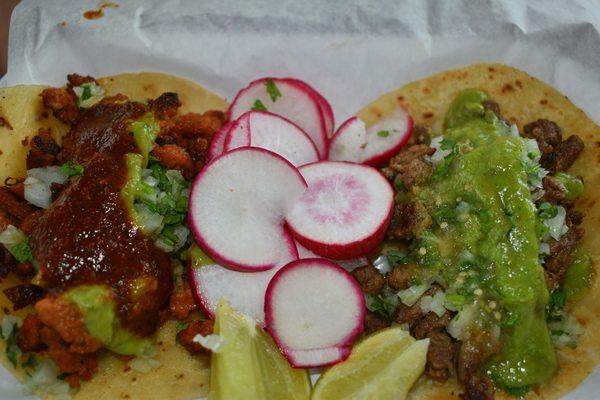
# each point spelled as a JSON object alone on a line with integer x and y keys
{"x": 314, "y": 310}
{"x": 237, "y": 207}
{"x": 374, "y": 145}
{"x": 293, "y": 101}
{"x": 274, "y": 133}
{"x": 345, "y": 211}
{"x": 324, "y": 105}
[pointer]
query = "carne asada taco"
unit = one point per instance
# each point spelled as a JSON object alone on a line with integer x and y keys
{"x": 92, "y": 220}
{"x": 493, "y": 237}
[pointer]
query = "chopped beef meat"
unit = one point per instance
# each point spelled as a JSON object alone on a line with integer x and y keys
{"x": 440, "y": 355}
{"x": 410, "y": 315}
{"x": 175, "y": 157}
{"x": 478, "y": 388}
{"x": 408, "y": 220}
{"x": 18, "y": 188}
{"x": 29, "y": 339}
{"x": 409, "y": 166}
{"x": 414, "y": 173}
{"x": 421, "y": 134}
{"x": 495, "y": 108}
{"x": 557, "y": 263}
{"x": 6, "y": 219}
{"x": 13, "y": 205}
{"x": 374, "y": 323}
{"x": 7, "y": 262}
{"x": 399, "y": 278}
{"x": 197, "y": 125}
{"x": 567, "y": 152}
{"x": 574, "y": 217}
{"x": 472, "y": 352}
{"x": 182, "y": 302}
{"x": 63, "y": 104}
{"x": 56, "y": 189}
{"x": 546, "y": 133}
{"x": 25, "y": 270}
{"x": 186, "y": 336}
{"x": 43, "y": 151}
{"x": 78, "y": 80}
{"x": 66, "y": 319}
{"x": 24, "y": 295}
{"x": 369, "y": 279}
{"x": 165, "y": 105}
{"x": 431, "y": 322}
{"x": 29, "y": 222}
{"x": 552, "y": 189}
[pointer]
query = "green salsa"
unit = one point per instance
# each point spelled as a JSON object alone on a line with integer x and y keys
{"x": 484, "y": 233}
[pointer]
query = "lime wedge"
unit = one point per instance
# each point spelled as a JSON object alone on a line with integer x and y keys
{"x": 249, "y": 366}
{"x": 383, "y": 366}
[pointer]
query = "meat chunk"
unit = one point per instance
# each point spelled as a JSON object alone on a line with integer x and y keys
{"x": 557, "y": 263}
{"x": 29, "y": 339}
{"x": 6, "y": 219}
{"x": 63, "y": 104}
{"x": 7, "y": 262}
{"x": 374, "y": 323}
{"x": 430, "y": 323}
{"x": 566, "y": 153}
{"x": 420, "y": 134}
{"x": 24, "y": 295}
{"x": 43, "y": 151}
{"x": 399, "y": 278}
{"x": 409, "y": 166}
{"x": 165, "y": 105}
{"x": 182, "y": 302}
{"x": 440, "y": 355}
{"x": 175, "y": 157}
{"x": 552, "y": 189}
{"x": 78, "y": 80}
{"x": 186, "y": 336}
{"x": 495, "y": 108}
{"x": 574, "y": 217}
{"x": 369, "y": 279}
{"x": 66, "y": 319}
{"x": 13, "y": 205}
{"x": 194, "y": 125}
{"x": 478, "y": 388}
{"x": 410, "y": 315}
{"x": 546, "y": 133}
{"x": 408, "y": 220}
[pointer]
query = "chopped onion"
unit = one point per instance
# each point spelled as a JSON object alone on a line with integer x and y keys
{"x": 382, "y": 265}
{"x": 460, "y": 325}
{"x": 11, "y": 236}
{"x": 439, "y": 154}
{"x": 44, "y": 378}
{"x": 410, "y": 295}
{"x": 544, "y": 249}
{"x": 8, "y": 324}
{"x": 351, "y": 265}
{"x": 514, "y": 130}
{"x": 433, "y": 303}
{"x": 148, "y": 221}
{"x": 212, "y": 342}
{"x": 52, "y": 174}
{"x": 556, "y": 225}
{"x": 95, "y": 94}
{"x": 37, "y": 192}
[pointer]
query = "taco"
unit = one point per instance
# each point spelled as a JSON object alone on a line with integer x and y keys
{"x": 493, "y": 196}
{"x": 95, "y": 279}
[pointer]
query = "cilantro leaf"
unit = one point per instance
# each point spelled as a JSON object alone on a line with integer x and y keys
{"x": 12, "y": 350}
{"x": 509, "y": 320}
{"x": 71, "y": 169}
{"x": 272, "y": 90}
{"x": 447, "y": 144}
{"x": 443, "y": 166}
{"x": 556, "y": 303}
{"x": 396, "y": 257}
{"x": 382, "y": 304}
{"x": 547, "y": 211}
{"x": 22, "y": 251}
{"x": 258, "y": 106}
{"x": 383, "y": 134}
{"x": 181, "y": 326}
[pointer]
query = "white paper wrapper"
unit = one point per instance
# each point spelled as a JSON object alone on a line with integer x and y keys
{"x": 352, "y": 53}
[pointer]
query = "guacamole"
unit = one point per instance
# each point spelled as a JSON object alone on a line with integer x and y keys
{"x": 484, "y": 241}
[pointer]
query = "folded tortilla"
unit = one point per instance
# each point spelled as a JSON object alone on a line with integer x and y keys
{"x": 180, "y": 375}
{"x": 522, "y": 99}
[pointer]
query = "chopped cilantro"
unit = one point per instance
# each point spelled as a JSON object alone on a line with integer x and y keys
{"x": 509, "y": 320}
{"x": 396, "y": 258}
{"x": 86, "y": 93}
{"x": 22, "y": 251}
{"x": 181, "y": 326}
{"x": 30, "y": 363}
{"x": 12, "y": 350}
{"x": 444, "y": 214}
{"x": 443, "y": 166}
{"x": 517, "y": 391}
{"x": 556, "y": 303}
{"x": 383, "y": 133}
{"x": 272, "y": 90}
{"x": 62, "y": 376}
{"x": 447, "y": 144}
{"x": 382, "y": 304}
{"x": 71, "y": 169}
{"x": 547, "y": 211}
{"x": 258, "y": 106}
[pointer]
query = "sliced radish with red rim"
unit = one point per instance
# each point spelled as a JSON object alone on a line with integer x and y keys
{"x": 244, "y": 291}
{"x": 348, "y": 265}
{"x": 345, "y": 211}
{"x": 374, "y": 145}
{"x": 237, "y": 207}
{"x": 218, "y": 142}
{"x": 275, "y": 133}
{"x": 324, "y": 105}
{"x": 314, "y": 310}
{"x": 287, "y": 98}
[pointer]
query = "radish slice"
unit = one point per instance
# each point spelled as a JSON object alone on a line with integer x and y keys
{"x": 237, "y": 207}
{"x": 244, "y": 291}
{"x": 288, "y": 99}
{"x": 324, "y": 105}
{"x": 218, "y": 142}
{"x": 348, "y": 265}
{"x": 374, "y": 145}
{"x": 314, "y": 310}
{"x": 274, "y": 133}
{"x": 345, "y": 211}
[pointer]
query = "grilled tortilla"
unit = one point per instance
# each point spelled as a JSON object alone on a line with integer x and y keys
{"x": 22, "y": 114}
{"x": 522, "y": 99}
